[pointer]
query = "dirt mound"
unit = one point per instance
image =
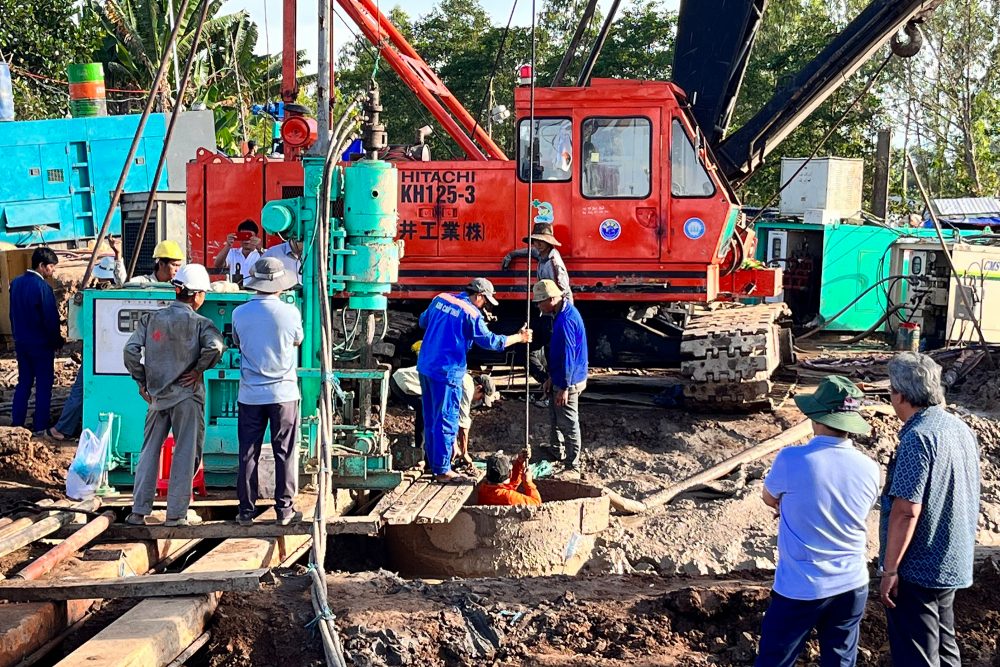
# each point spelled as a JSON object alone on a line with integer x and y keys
{"x": 270, "y": 627}
{"x": 23, "y": 459}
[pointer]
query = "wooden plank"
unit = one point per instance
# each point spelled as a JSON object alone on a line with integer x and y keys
{"x": 365, "y": 524}
{"x": 228, "y": 529}
{"x": 403, "y": 501}
{"x": 392, "y": 497}
{"x": 457, "y": 501}
{"x": 153, "y": 585}
{"x": 431, "y": 509}
{"x": 154, "y": 632}
{"x": 404, "y": 513}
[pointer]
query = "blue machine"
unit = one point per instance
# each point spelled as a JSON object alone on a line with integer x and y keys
{"x": 57, "y": 176}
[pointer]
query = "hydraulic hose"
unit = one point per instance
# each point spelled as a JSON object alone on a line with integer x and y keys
{"x": 824, "y": 325}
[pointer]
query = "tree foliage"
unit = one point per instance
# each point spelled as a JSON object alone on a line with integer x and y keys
{"x": 38, "y": 40}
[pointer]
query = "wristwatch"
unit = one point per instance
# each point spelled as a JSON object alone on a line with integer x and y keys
{"x": 881, "y": 572}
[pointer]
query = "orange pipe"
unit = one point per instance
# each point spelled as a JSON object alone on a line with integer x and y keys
{"x": 44, "y": 564}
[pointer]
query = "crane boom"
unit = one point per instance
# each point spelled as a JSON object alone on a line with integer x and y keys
{"x": 711, "y": 56}
{"x": 741, "y": 153}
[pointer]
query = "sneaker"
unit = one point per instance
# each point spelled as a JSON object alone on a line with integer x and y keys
{"x": 294, "y": 517}
{"x": 134, "y": 519}
{"x": 189, "y": 520}
{"x": 244, "y": 521}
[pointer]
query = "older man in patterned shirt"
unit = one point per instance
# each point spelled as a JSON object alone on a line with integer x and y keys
{"x": 930, "y": 509}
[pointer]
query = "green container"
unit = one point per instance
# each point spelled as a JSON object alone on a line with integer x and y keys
{"x": 85, "y": 72}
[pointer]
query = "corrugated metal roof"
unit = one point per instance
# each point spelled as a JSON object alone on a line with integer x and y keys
{"x": 967, "y": 206}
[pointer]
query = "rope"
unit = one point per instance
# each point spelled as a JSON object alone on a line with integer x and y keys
{"x": 41, "y": 77}
{"x": 527, "y": 276}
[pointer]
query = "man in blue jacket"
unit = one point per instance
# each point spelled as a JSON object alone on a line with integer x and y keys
{"x": 34, "y": 320}
{"x": 452, "y": 323}
{"x": 567, "y": 371}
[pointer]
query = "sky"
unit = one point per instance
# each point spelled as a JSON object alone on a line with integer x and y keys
{"x": 270, "y": 39}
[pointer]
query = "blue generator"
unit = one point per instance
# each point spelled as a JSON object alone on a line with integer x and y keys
{"x": 57, "y": 176}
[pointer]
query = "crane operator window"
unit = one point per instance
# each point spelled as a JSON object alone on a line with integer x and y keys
{"x": 616, "y": 158}
{"x": 552, "y": 156}
{"x": 688, "y": 177}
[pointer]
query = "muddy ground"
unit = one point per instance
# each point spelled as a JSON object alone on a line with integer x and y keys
{"x": 685, "y": 584}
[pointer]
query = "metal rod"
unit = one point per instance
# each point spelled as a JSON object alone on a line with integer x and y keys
{"x": 574, "y": 43}
{"x": 143, "y": 119}
{"x": 289, "y": 53}
{"x": 174, "y": 114}
{"x": 43, "y": 527}
{"x": 951, "y": 262}
{"x": 602, "y": 36}
{"x": 44, "y": 564}
{"x": 189, "y": 652}
{"x": 173, "y": 49}
{"x": 323, "y": 80}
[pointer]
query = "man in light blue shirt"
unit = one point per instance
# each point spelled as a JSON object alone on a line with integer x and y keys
{"x": 268, "y": 332}
{"x": 822, "y": 493}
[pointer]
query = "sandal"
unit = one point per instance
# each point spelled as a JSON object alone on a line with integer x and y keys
{"x": 50, "y": 433}
{"x": 453, "y": 479}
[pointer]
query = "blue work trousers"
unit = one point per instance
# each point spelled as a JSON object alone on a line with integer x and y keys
{"x": 71, "y": 419}
{"x": 441, "y": 400}
{"x": 788, "y": 624}
{"x": 34, "y": 367}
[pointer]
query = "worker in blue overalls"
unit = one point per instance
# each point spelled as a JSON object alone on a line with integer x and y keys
{"x": 452, "y": 323}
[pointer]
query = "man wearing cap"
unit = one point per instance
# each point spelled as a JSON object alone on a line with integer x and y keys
{"x": 290, "y": 254}
{"x": 503, "y": 485}
{"x": 111, "y": 268}
{"x": 567, "y": 371}
{"x": 168, "y": 257}
{"x": 268, "y": 332}
{"x": 453, "y": 323}
{"x": 543, "y": 250}
{"x": 167, "y": 355}
{"x": 822, "y": 493}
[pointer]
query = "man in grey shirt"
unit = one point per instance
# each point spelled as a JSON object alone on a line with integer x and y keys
{"x": 268, "y": 332}
{"x": 179, "y": 346}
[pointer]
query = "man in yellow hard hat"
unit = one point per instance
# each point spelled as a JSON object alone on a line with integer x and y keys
{"x": 168, "y": 257}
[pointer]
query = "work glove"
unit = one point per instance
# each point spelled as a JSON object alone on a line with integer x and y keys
{"x": 505, "y": 264}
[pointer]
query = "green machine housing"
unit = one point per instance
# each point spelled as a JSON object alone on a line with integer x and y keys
{"x": 826, "y": 266}
{"x": 364, "y": 262}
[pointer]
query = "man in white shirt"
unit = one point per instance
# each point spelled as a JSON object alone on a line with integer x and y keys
{"x": 239, "y": 261}
{"x": 290, "y": 254}
{"x": 822, "y": 493}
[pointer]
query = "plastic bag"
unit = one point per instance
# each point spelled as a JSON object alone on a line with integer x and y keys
{"x": 87, "y": 468}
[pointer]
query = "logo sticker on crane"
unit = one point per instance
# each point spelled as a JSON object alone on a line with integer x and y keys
{"x": 610, "y": 230}
{"x": 694, "y": 228}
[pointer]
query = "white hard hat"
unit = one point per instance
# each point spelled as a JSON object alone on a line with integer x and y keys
{"x": 193, "y": 278}
{"x": 105, "y": 269}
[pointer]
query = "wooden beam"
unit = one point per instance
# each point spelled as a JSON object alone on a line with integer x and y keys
{"x": 154, "y": 632}
{"x": 153, "y": 585}
{"x": 229, "y": 530}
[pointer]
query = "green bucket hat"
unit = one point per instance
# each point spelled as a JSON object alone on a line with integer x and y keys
{"x": 837, "y": 404}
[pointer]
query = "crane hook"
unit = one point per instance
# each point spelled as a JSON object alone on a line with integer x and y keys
{"x": 911, "y": 45}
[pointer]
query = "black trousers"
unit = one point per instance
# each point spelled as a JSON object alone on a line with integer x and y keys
{"x": 284, "y": 421}
{"x": 417, "y": 404}
{"x": 922, "y": 627}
